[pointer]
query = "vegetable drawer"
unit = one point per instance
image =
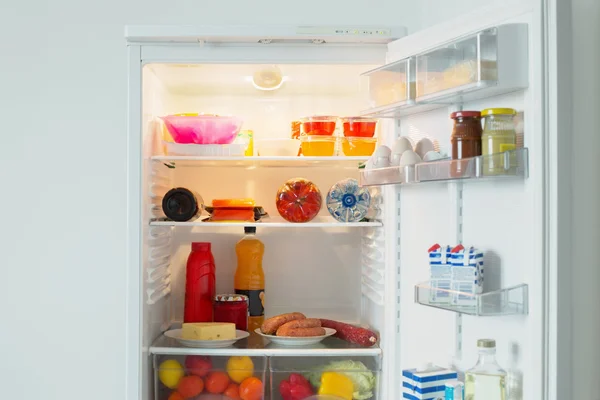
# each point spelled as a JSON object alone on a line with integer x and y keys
{"x": 209, "y": 377}
{"x": 297, "y": 378}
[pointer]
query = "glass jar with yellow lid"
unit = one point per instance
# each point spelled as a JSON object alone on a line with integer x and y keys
{"x": 498, "y": 136}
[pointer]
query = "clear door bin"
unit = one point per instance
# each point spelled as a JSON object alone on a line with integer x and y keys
{"x": 508, "y": 301}
{"x": 392, "y": 84}
{"x": 200, "y": 377}
{"x": 495, "y": 58}
{"x": 361, "y": 371}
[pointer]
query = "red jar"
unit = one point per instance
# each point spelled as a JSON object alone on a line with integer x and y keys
{"x": 232, "y": 308}
{"x": 466, "y": 140}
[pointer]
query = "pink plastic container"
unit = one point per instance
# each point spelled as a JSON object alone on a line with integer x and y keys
{"x": 202, "y": 129}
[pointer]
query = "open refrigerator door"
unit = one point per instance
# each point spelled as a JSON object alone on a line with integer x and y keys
{"x": 312, "y": 123}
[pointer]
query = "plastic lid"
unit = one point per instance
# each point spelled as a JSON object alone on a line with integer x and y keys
{"x": 250, "y": 230}
{"x": 231, "y": 297}
{"x": 486, "y": 343}
{"x": 200, "y": 246}
{"x": 465, "y": 114}
{"x": 499, "y": 111}
{"x": 180, "y": 204}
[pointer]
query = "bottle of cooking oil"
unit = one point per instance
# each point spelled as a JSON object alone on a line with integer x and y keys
{"x": 486, "y": 380}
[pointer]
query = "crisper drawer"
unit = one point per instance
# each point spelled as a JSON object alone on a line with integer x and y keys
{"x": 495, "y": 57}
{"x": 209, "y": 377}
{"x": 357, "y": 376}
{"x": 392, "y": 84}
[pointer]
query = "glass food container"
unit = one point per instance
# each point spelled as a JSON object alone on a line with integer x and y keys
{"x": 232, "y": 308}
{"x": 318, "y": 125}
{"x": 358, "y": 146}
{"x": 465, "y": 139}
{"x": 320, "y": 146}
{"x": 498, "y": 136}
{"x": 359, "y": 126}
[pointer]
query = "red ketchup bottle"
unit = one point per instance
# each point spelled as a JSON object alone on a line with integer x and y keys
{"x": 200, "y": 285}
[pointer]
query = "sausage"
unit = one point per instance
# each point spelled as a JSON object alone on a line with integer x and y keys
{"x": 284, "y": 329}
{"x": 270, "y": 325}
{"x": 350, "y": 333}
{"x": 303, "y": 332}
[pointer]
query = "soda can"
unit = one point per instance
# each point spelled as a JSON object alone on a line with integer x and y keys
{"x": 455, "y": 391}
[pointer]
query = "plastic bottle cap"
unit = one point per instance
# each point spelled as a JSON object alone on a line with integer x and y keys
{"x": 200, "y": 246}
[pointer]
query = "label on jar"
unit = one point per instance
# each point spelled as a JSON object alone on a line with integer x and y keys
{"x": 256, "y": 308}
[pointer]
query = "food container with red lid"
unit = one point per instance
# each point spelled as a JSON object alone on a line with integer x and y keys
{"x": 232, "y": 308}
{"x": 359, "y": 126}
{"x": 320, "y": 125}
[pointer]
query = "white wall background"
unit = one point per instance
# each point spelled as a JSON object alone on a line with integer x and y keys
{"x": 63, "y": 171}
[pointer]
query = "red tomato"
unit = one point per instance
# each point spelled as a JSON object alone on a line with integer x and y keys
{"x": 217, "y": 382}
{"x": 198, "y": 365}
{"x": 298, "y": 200}
{"x": 190, "y": 386}
{"x": 251, "y": 389}
{"x": 175, "y": 396}
{"x": 232, "y": 391}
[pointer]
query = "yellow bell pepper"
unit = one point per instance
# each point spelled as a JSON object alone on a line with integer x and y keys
{"x": 335, "y": 384}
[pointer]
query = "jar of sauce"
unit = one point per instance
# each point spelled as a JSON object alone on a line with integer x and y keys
{"x": 465, "y": 139}
{"x": 499, "y": 136}
{"x": 232, "y": 308}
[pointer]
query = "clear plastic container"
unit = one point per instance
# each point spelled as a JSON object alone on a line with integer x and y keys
{"x": 467, "y": 61}
{"x": 392, "y": 83}
{"x": 198, "y": 376}
{"x": 362, "y": 370}
{"x": 319, "y": 125}
{"x": 358, "y": 146}
{"x": 320, "y": 146}
{"x": 278, "y": 147}
{"x": 359, "y": 126}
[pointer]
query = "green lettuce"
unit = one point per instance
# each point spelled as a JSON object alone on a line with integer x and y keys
{"x": 362, "y": 378}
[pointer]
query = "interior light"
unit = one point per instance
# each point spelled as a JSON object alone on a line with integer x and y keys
{"x": 268, "y": 78}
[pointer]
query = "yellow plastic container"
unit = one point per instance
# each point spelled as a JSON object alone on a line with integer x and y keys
{"x": 358, "y": 146}
{"x": 319, "y": 146}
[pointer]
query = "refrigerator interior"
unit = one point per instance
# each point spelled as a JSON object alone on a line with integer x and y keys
{"x": 316, "y": 271}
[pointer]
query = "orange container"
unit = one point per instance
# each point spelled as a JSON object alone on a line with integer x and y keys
{"x": 237, "y": 203}
{"x": 320, "y": 146}
{"x": 358, "y": 146}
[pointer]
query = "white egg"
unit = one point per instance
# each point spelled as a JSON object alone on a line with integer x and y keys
{"x": 381, "y": 157}
{"x": 382, "y": 151}
{"x": 401, "y": 145}
{"x": 432, "y": 156}
{"x": 395, "y": 159}
{"x": 423, "y": 147}
{"x": 409, "y": 157}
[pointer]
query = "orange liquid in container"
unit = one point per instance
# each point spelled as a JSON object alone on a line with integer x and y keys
{"x": 249, "y": 277}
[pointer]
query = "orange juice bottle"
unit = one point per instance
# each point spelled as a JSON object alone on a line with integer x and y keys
{"x": 249, "y": 276}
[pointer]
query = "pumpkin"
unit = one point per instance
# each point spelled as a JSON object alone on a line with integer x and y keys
{"x": 298, "y": 200}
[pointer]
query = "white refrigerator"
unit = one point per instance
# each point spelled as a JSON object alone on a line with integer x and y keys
{"x": 375, "y": 273}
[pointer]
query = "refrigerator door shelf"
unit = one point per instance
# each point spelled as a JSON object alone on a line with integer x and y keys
{"x": 510, "y": 164}
{"x": 507, "y": 301}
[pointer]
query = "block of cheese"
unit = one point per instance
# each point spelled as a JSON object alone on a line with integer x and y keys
{"x": 208, "y": 331}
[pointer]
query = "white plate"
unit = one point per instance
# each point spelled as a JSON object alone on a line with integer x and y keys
{"x": 207, "y": 344}
{"x": 296, "y": 341}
